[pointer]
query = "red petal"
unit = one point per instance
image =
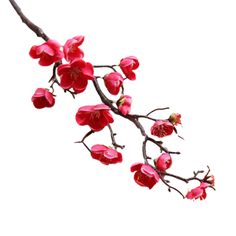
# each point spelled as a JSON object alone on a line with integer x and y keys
{"x": 136, "y": 167}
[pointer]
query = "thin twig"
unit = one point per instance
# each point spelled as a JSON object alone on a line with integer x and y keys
{"x": 85, "y": 136}
{"x": 106, "y": 66}
{"x": 114, "y": 143}
{"x": 161, "y": 147}
{"x": 146, "y": 117}
{"x": 157, "y": 109}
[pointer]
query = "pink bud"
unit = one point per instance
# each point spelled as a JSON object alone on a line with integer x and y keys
{"x": 113, "y": 82}
{"x": 124, "y": 104}
{"x": 163, "y": 162}
{"x": 175, "y": 118}
{"x": 127, "y": 65}
{"x": 42, "y": 98}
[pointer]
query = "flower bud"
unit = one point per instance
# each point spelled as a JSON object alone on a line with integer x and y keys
{"x": 124, "y": 104}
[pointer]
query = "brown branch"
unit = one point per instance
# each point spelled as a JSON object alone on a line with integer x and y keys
{"x": 132, "y": 117}
{"x": 157, "y": 109}
{"x": 159, "y": 144}
{"x": 114, "y": 143}
{"x": 37, "y": 30}
{"x": 106, "y": 66}
{"x": 108, "y": 102}
{"x": 146, "y": 117}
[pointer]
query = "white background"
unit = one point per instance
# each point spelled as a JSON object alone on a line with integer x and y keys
{"x": 187, "y": 53}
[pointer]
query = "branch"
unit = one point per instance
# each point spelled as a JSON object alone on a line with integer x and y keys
{"x": 131, "y": 117}
{"x": 159, "y": 144}
{"x": 114, "y": 143}
{"x": 157, "y": 109}
{"x": 106, "y": 66}
{"x": 37, "y": 30}
{"x": 108, "y": 102}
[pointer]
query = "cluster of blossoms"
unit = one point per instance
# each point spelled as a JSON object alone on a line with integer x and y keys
{"x": 75, "y": 75}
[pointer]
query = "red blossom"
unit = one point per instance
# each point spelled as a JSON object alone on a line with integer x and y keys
{"x": 42, "y": 98}
{"x": 175, "y": 118}
{"x": 124, "y": 104}
{"x": 162, "y": 128}
{"x": 48, "y": 52}
{"x": 211, "y": 180}
{"x": 127, "y": 65}
{"x": 198, "y": 192}
{"x": 113, "y": 82}
{"x": 71, "y": 48}
{"x": 75, "y": 75}
{"x": 97, "y": 117}
{"x": 144, "y": 175}
{"x": 105, "y": 154}
{"x": 163, "y": 162}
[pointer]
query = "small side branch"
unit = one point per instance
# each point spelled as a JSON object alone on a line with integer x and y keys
{"x": 159, "y": 144}
{"x": 157, "y": 109}
{"x": 106, "y": 66}
{"x": 114, "y": 143}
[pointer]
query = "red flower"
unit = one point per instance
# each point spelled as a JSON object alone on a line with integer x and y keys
{"x": 71, "y": 48}
{"x": 124, "y": 104}
{"x": 211, "y": 180}
{"x": 163, "y": 162}
{"x": 97, "y": 117}
{"x": 129, "y": 64}
{"x": 162, "y": 128}
{"x": 145, "y": 175}
{"x": 105, "y": 154}
{"x": 113, "y": 82}
{"x": 75, "y": 75}
{"x": 42, "y": 98}
{"x": 48, "y": 52}
{"x": 175, "y": 118}
{"x": 199, "y": 192}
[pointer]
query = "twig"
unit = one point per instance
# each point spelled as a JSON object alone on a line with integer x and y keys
{"x": 157, "y": 109}
{"x": 106, "y": 66}
{"x": 114, "y": 143}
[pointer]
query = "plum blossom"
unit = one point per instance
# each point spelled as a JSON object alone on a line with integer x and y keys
{"x": 48, "y": 52}
{"x": 113, "y": 82}
{"x": 105, "y": 154}
{"x": 71, "y": 48}
{"x": 42, "y": 98}
{"x": 96, "y": 117}
{"x": 75, "y": 75}
{"x": 144, "y": 175}
{"x": 124, "y": 104}
{"x": 198, "y": 192}
{"x": 127, "y": 65}
{"x": 163, "y": 162}
{"x": 162, "y": 128}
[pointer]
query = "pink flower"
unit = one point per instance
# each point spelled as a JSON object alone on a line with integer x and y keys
{"x": 105, "y": 154}
{"x": 75, "y": 75}
{"x": 163, "y": 162}
{"x": 124, "y": 104}
{"x": 42, "y": 98}
{"x": 127, "y": 65}
{"x": 48, "y": 52}
{"x": 162, "y": 128}
{"x": 71, "y": 48}
{"x": 113, "y": 82}
{"x": 145, "y": 175}
{"x": 175, "y": 118}
{"x": 211, "y": 180}
{"x": 198, "y": 192}
{"x": 97, "y": 117}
